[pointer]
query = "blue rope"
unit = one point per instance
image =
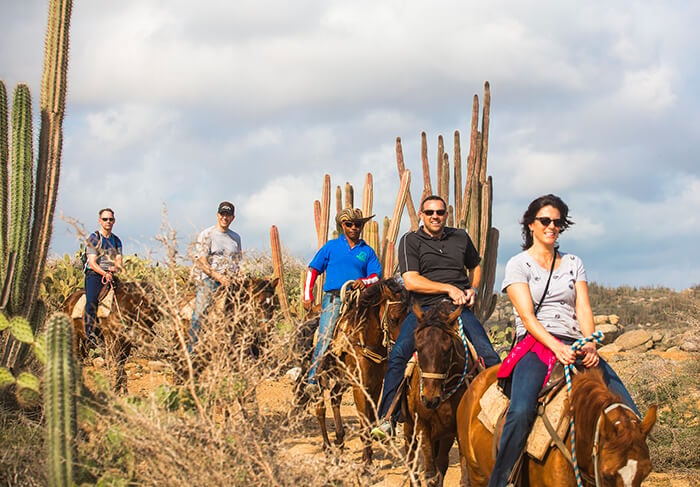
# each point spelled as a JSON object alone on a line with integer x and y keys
{"x": 597, "y": 337}
{"x": 466, "y": 359}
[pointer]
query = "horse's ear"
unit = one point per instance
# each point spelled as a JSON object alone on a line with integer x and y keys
{"x": 418, "y": 311}
{"x": 649, "y": 420}
{"x": 455, "y": 314}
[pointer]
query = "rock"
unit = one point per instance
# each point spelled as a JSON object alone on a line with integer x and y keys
{"x": 642, "y": 348}
{"x": 613, "y": 319}
{"x": 673, "y": 349}
{"x": 610, "y": 332}
{"x": 292, "y": 374}
{"x": 608, "y": 351}
{"x": 632, "y": 339}
{"x": 657, "y": 336}
{"x": 98, "y": 362}
{"x": 689, "y": 346}
{"x": 600, "y": 319}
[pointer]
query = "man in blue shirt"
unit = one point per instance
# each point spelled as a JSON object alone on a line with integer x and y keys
{"x": 346, "y": 258}
{"x": 104, "y": 259}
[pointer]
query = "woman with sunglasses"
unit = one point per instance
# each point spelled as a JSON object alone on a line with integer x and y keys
{"x": 549, "y": 292}
{"x": 104, "y": 259}
{"x": 346, "y": 258}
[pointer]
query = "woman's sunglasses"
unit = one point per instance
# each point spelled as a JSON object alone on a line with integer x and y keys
{"x": 546, "y": 221}
{"x": 437, "y": 212}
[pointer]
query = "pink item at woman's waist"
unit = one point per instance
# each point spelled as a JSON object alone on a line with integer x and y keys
{"x": 527, "y": 344}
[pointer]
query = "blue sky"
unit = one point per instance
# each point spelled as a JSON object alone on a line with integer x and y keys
{"x": 178, "y": 105}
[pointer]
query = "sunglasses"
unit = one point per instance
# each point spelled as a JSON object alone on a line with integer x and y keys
{"x": 352, "y": 224}
{"x": 545, "y": 221}
{"x": 437, "y": 212}
{"x": 107, "y": 219}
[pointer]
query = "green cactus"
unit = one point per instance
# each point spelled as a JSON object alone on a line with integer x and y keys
{"x": 28, "y": 195}
{"x": 60, "y": 393}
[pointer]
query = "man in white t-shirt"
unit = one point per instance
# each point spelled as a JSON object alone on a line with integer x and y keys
{"x": 218, "y": 255}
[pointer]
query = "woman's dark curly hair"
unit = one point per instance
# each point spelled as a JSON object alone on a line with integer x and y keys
{"x": 531, "y": 213}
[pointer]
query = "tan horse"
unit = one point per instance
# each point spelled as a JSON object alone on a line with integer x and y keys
{"x": 132, "y": 309}
{"x": 436, "y": 386}
{"x": 358, "y": 357}
{"x": 622, "y": 457}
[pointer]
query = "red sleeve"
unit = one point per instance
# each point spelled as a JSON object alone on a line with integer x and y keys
{"x": 311, "y": 276}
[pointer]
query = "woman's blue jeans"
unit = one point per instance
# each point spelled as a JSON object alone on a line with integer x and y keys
{"x": 405, "y": 345}
{"x": 330, "y": 309}
{"x": 528, "y": 377}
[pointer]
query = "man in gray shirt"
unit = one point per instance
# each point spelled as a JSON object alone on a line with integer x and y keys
{"x": 218, "y": 254}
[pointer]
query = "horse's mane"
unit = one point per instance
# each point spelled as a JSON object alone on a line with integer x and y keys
{"x": 437, "y": 315}
{"x": 372, "y": 295}
{"x": 589, "y": 398}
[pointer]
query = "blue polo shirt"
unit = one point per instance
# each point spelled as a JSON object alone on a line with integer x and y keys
{"x": 342, "y": 263}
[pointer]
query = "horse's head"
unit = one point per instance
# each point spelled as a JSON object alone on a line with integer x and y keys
{"x": 261, "y": 295}
{"x": 385, "y": 304}
{"x": 139, "y": 302}
{"x": 438, "y": 347}
{"x": 613, "y": 431}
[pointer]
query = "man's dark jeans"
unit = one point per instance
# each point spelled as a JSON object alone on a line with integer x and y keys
{"x": 405, "y": 346}
{"x": 93, "y": 286}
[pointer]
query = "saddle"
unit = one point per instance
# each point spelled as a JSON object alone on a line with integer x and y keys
{"x": 104, "y": 304}
{"x": 552, "y": 419}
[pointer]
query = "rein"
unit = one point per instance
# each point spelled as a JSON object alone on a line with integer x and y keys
{"x": 597, "y": 337}
{"x": 432, "y": 375}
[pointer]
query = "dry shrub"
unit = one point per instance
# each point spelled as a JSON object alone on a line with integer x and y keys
{"x": 222, "y": 418}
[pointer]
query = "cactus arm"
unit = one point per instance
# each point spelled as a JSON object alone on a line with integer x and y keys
{"x": 349, "y": 196}
{"x": 4, "y": 181}
{"x": 427, "y": 188}
{"x": 485, "y": 121}
{"x": 444, "y": 181}
{"x": 21, "y": 192}
{"x": 401, "y": 166}
{"x": 60, "y": 400}
{"x": 279, "y": 272}
{"x": 53, "y": 102}
{"x": 325, "y": 210}
{"x": 457, "y": 162}
{"x": 438, "y": 159}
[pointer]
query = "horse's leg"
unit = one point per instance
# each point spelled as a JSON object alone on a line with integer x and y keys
{"x": 442, "y": 459}
{"x": 321, "y": 417}
{"x": 120, "y": 352}
{"x": 367, "y": 416}
{"x": 429, "y": 449}
{"x": 336, "y": 397}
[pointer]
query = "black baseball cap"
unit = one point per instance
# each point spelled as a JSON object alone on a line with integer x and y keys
{"x": 226, "y": 207}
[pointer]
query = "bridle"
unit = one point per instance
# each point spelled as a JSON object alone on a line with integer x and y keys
{"x": 433, "y": 375}
{"x": 596, "y": 437}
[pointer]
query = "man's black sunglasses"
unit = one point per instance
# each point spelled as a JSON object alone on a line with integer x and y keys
{"x": 545, "y": 221}
{"x": 437, "y": 212}
{"x": 108, "y": 219}
{"x": 353, "y": 224}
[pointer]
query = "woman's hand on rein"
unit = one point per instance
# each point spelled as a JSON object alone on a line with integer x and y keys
{"x": 590, "y": 355}
{"x": 564, "y": 353}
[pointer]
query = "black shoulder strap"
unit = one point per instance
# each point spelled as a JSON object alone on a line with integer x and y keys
{"x": 546, "y": 287}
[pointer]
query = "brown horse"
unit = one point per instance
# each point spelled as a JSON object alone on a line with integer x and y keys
{"x": 358, "y": 357}
{"x": 622, "y": 457}
{"x": 132, "y": 308}
{"x": 436, "y": 386}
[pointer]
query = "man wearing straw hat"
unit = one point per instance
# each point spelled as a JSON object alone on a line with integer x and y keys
{"x": 346, "y": 258}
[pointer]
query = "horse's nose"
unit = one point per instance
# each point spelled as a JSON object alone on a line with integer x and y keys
{"x": 430, "y": 403}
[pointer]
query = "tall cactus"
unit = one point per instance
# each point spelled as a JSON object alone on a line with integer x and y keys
{"x": 60, "y": 390}
{"x": 28, "y": 195}
{"x": 470, "y": 209}
{"x": 279, "y": 272}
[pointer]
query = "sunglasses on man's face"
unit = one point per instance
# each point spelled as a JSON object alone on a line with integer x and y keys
{"x": 108, "y": 219}
{"x": 437, "y": 212}
{"x": 546, "y": 221}
{"x": 352, "y": 224}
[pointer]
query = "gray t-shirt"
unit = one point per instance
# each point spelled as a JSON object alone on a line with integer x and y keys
{"x": 558, "y": 311}
{"x": 222, "y": 249}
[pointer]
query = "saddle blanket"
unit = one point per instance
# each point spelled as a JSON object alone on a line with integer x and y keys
{"x": 104, "y": 308}
{"x": 494, "y": 405}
